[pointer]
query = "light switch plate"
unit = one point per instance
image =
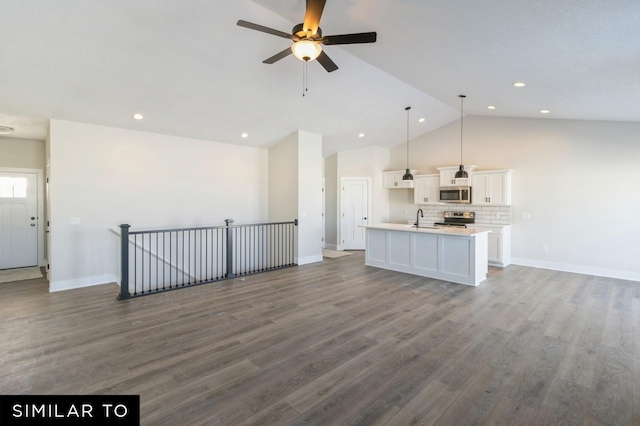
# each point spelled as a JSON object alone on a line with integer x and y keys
{"x": 74, "y": 220}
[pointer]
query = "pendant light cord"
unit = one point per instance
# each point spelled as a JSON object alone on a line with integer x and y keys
{"x": 407, "y": 109}
{"x": 461, "y": 123}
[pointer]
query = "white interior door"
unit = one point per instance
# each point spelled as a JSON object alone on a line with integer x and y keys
{"x": 18, "y": 220}
{"x": 355, "y": 212}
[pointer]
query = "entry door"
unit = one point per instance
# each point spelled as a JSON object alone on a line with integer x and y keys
{"x": 355, "y": 212}
{"x": 18, "y": 220}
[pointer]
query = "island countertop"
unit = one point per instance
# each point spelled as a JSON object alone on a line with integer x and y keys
{"x": 451, "y": 230}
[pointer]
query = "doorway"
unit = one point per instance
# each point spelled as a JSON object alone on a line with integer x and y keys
{"x": 355, "y": 209}
{"x": 20, "y": 210}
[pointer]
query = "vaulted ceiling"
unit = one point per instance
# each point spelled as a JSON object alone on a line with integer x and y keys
{"x": 191, "y": 71}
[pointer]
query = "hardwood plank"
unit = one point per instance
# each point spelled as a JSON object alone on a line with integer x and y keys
{"x": 338, "y": 343}
{"x": 327, "y": 384}
{"x": 635, "y": 321}
{"x": 509, "y": 412}
{"x": 426, "y": 407}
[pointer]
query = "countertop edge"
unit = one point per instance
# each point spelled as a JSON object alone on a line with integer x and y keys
{"x": 461, "y": 232}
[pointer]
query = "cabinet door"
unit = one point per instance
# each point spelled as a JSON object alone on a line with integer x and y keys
{"x": 426, "y": 190}
{"x": 497, "y": 186}
{"x": 491, "y": 189}
{"x": 495, "y": 249}
{"x": 390, "y": 180}
{"x": 420, "y": 190}
{"x": 448, "y": 178}
{"x": 432, "y": 192}
{"x": 479, "y": 189}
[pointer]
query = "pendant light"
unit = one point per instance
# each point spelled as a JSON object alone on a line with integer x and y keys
{"x": 461, "y": 173}
{"x": 407, "y": 174}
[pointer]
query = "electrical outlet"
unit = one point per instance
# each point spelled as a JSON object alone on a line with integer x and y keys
{"x": 74, "y": 221}
{"x": 526, "y": 216}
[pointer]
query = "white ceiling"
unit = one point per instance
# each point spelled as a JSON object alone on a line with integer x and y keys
{"x": 192, "y": 72}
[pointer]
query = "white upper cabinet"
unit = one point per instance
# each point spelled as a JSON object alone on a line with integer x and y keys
{"x": 448, "y": 176}
{"x": 393, "y": 180}
{"x": 491, "y": 188}
{"x": 426, "y": 189}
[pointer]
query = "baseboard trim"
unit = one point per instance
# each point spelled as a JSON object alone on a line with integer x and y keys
{"x": 331, "y": 246}
{"x": 309, "y": 259}
{"x": 55, "y": 286}
{"x": 578, "y": 269}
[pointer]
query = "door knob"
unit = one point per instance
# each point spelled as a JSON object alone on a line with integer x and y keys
{"x": 33, "y": 224}
{"x": 33, "y": 218}
{"x": 364, "y": 218}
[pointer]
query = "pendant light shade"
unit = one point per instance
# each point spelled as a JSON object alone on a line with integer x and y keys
{"x": 461, "y": 173}
{"x": 407, "y": 175}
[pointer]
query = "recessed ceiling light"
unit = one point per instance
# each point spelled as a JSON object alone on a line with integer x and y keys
{"x": 245, "y": 135}
{"x": 138, "y": 116}
{"x": 361, "y": 135}
{"x": 491, "y": 107}
{"x": 421, "y": 120}
{"x": 6, "y": 130}
{"x": 544, "y": 111}
{"x": 519, "y": 84}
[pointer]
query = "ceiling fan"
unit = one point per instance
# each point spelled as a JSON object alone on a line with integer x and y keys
{"x": 308, "y": 39}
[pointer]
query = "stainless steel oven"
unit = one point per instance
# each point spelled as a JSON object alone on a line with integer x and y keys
{"x": 455, "y": 194}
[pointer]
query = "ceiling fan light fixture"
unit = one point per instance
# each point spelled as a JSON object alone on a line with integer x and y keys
{"x": 306, "y": 50}
{"x": 6, "y": 130}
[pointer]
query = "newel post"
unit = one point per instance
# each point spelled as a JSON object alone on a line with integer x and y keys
{"x": 229, "y": 223}
{"x": 124, "y": 262}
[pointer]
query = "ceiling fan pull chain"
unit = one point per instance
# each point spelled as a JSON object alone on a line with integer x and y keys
{"x": 304, "y": 78}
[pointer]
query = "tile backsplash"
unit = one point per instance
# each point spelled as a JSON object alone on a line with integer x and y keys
{"x": 487, "y": 215}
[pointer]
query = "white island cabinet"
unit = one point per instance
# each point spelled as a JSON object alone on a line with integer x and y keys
{"x": 449, "y": 254}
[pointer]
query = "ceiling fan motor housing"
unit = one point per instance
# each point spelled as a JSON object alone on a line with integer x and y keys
{"x": 298, "y": 30}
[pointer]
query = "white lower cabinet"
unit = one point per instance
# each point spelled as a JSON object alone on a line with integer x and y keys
{"x": 426, "y": 189}
{"x": 499, "y": 252}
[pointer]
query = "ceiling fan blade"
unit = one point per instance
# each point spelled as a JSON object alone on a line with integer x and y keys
{"x": 312, "y": 15}
{"x": 326, "y": 62}
{"x": 350, "y": 38}
{"x": 275, "y": 58}
{"x": 264, "y": 29}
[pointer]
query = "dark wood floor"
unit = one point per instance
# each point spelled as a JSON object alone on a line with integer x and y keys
{"x": 338, "y": 343}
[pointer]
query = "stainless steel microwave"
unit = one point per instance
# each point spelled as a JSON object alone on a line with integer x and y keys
{"x": 455, "y": 194}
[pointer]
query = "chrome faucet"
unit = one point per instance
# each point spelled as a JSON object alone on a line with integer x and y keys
{"x": 418, "y": 217}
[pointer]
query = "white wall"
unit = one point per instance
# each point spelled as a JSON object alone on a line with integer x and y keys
{"x": 331, "y": 201}
{"x": 364, "y": 162}
{"x": 309, "y": 197}
{"x": 22, "y": 153}
{"x": 106, "y": 176}
{"x": 283, "y": 180}
{"x": 295, "y": 190}
{"x": 578, "y": 181}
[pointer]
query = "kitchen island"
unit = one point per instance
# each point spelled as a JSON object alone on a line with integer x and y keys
{"x": 451, "y": 254}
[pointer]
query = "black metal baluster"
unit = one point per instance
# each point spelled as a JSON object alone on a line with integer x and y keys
{"x": 124, "y": 262}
